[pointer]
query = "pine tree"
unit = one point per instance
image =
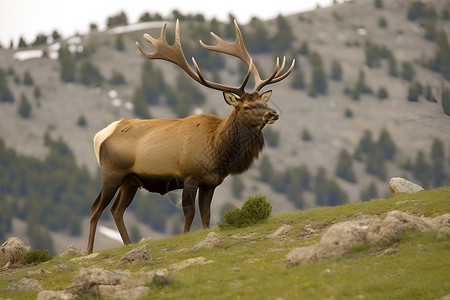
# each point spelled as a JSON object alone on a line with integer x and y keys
{"x": 5, "y": 93}
{"x": 24, "y": 107}
{"x": 392, "y": 66}
{"x": 22, "y": 43}
{"x": 387, "y": 145}
{"x": 27, "y": 79}
{"x": 90, "y": 74}
{"x": 67, "y": 62}
{"x": 318, "y": 82}
{"x": 438, "y": 175}
{"x": 344, "y": 168}
{"x": 336, "y": 71}
{"x": 421, "y": 169}
{"x": 120, "y": 46}
{"x": 408, "y": 72}
{"x": 140, "y": 104}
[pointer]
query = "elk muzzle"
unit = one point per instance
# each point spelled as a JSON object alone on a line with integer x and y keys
{"x": 271, "y": 116}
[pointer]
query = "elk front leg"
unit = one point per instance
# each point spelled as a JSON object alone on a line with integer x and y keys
{"x": 204, "y": 204}
{"x": 188, "y": 201}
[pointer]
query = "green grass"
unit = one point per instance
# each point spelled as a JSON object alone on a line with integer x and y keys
{"x": 248, "y": 265}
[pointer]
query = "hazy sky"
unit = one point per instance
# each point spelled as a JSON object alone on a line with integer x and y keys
{"x": 27, "y": 18}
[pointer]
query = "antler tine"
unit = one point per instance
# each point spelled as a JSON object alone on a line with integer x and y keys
{"x": 277, "y": 74}
{"x": 279, "y": 78}
{"x": 282, "y": 67}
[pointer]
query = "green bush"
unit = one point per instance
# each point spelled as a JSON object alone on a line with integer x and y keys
{"x": 37, "y": 256}
{"x": 255, "y": 210}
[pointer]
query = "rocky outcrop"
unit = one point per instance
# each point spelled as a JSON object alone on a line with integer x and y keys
{"x": 13, "y": 251}
{"x": 342, "y": 237}
{"x": 25, "y": 285}
{"x": 210, "y": 241}
{"x": 400, "y": 185}
{"x": 137, "y": 255}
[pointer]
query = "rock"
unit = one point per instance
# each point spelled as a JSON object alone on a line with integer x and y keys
{"x": 25, "y": 285}
{"x": 145, "y": 240}
{"x": 13, "y": 251}
{"x": 159, "y": 277}
{"x": 73, "y": 250}
{"x": 444, "y": 232}
{"x": 401, "y": 185}
{"x": 281, "y": 232}
{"x": 86, "y": 283}
{"x": 77, "y": 259}
{"x": 210, "y": 241}
{"x": 391, "y": 251}
{"x": 342, "y": 237}
{"x": 189, "y": 262}
{"x": 136, "y": 255}
{"x": 119, "y": 292}
{"x": 55, "y": 295}
{"x": 60, "y": 267}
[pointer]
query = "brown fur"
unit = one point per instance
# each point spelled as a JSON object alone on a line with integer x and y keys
{"x": 194, "y": 153}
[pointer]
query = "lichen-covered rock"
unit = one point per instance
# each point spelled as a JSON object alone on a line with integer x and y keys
{"x": 13, "y": 251}
{"x": 136, "y": 255}
{"x": 73, "y": 250}
{"x": 55, "y": 295}
{"x": 159, "y": 277}
{"x": 189, "y": 262}
{"x": 86, "y": 283}
{"x": 25, "y": 285}
{"x": 342, "y": 237}
{"x": 210, "y": 241}
{"x": 281, "y": 232}
{"x": 401, "y": 185}
{"x": 120, "y": 292}
{"x": 444, "y": 232}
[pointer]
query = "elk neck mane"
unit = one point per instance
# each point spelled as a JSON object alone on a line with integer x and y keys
{"x": 236, "y": 145}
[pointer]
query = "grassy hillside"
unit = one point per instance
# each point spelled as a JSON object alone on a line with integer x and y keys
{"x": 247, "y": 264}
{"x": 361, "y": 37}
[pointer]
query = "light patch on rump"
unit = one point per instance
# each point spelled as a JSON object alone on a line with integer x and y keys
{"x": 101, "y": 136}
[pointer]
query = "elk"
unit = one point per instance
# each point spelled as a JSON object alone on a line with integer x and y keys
{"x": 195, "y": 153}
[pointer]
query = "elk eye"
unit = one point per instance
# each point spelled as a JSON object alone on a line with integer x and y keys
{"x": 247, "y": 108}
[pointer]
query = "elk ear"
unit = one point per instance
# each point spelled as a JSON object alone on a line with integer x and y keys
{"x": 231, "y": 99}
{"x": 266, "y": 96}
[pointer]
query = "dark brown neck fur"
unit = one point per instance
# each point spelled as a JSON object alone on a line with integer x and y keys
{"x": 236, "y": 145}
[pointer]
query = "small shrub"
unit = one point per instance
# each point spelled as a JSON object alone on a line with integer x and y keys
{"x": 255, "y": 210}
{"x": 37, "y": 256}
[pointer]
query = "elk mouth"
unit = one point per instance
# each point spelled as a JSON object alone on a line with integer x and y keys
{"x": 273, "y": 116}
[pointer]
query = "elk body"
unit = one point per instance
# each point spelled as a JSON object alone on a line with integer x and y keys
{"x": 195, "y": 153}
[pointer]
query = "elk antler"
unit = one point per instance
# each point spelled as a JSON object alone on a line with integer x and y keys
{"x": 175, "y": 55}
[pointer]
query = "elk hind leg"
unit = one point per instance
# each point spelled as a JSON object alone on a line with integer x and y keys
{"x": 204, "y": 204}
{"x": 126, "y": 194}
{"x": 104, "y": 197}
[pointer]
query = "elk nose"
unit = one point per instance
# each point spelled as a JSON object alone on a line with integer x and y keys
{"x": 273, "y": 115}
